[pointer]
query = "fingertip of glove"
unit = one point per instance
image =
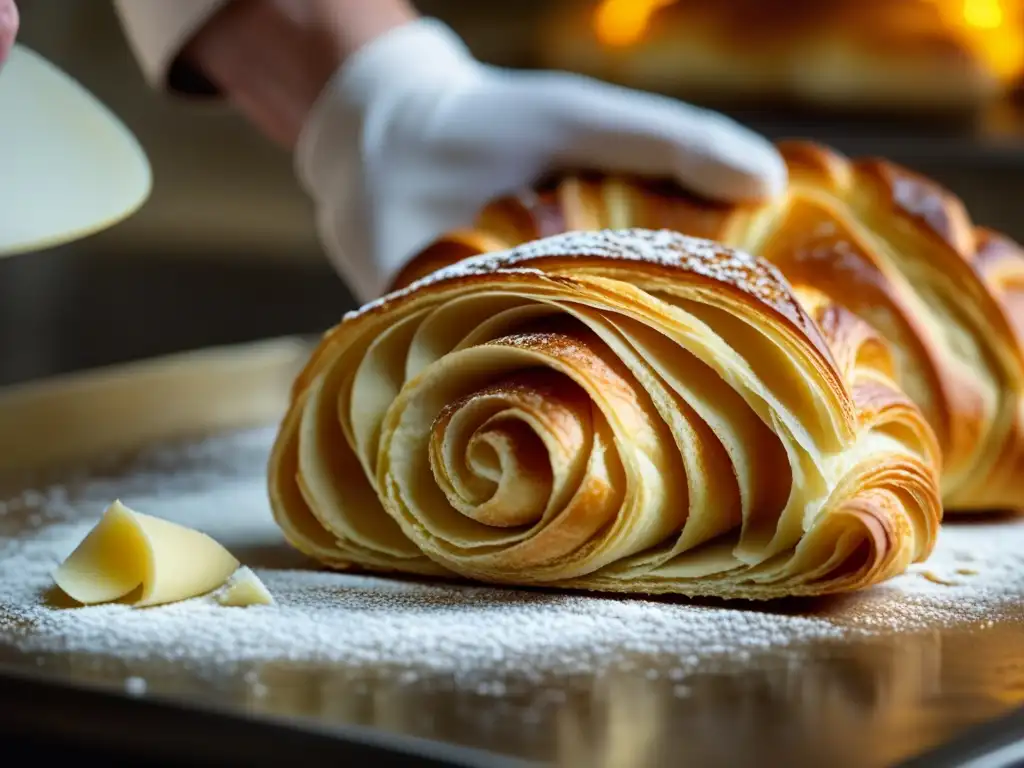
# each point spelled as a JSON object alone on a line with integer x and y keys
{"x": 763, "y": 175}
{"x": 741, "y": 167}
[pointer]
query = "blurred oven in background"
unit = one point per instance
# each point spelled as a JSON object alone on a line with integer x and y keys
{"x": 225, "y": 249}
{"x": 935, "y": 84}
{"x": 839, "y": 55}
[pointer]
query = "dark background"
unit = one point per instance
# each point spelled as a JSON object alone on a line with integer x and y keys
{"x": 225, "y": 251}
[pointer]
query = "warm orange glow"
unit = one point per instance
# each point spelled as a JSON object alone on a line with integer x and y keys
{"x": 994, "y": 30}
{"x": 620, "y": 23}
{"x": 984, "y": 14}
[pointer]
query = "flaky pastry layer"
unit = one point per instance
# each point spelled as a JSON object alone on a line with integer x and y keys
{"x": 891, "y": 246}
{"x": 631, "y": 410}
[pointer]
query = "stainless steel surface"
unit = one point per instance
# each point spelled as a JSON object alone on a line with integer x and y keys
{"x": 855, "y": 704}
{"x": 858, "y": 704}
{"x": 866, "y": 700}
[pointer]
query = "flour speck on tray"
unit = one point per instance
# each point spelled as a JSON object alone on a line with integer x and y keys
{"x": 413, "y": 627}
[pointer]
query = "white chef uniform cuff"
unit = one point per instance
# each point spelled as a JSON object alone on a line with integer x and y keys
{"x": 158, "y": 30}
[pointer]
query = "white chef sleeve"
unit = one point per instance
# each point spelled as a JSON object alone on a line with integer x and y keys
{"x": 158, "y": 30}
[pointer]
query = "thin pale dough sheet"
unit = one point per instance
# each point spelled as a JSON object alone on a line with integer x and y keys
{"x": 143, "y": 560}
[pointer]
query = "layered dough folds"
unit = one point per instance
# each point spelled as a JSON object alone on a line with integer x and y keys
{"x": 894, "y": 248}
{"x": 629, "y": 411}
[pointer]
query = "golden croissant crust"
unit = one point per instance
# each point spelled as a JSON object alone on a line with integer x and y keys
{"x": 630, "y": 410}
{"x": 892, "y": 247}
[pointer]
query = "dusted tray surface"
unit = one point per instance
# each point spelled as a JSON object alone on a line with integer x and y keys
{"x": 859, "y": 680}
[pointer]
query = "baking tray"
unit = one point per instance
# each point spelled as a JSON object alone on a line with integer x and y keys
{"x": 939, "y": 690}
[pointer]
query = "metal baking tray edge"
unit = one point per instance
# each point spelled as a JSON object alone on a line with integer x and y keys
{"x": 58, "y": 718}
{"x": 120, "y": 408}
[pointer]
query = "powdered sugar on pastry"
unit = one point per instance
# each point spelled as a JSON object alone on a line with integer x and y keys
{"x": 381, "y": 624}
{"x": 656, "y": 247}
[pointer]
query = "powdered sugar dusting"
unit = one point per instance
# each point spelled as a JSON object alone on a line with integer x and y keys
{"x": 657, "y": 247}
{"x": 407, "y": 626}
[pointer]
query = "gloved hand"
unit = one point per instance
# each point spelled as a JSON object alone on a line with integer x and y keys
{"x": 412, "y": 136}
{"x": 8, "y": 28}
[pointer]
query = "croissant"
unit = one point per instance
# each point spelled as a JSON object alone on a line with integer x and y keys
{"x": 889, "y": 245}
{"x": 631, "y": 411}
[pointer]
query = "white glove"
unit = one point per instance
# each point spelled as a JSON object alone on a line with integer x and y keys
{"x": 413, "y": 136}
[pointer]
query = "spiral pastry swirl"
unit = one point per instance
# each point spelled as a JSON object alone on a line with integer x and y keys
{"x": 631, "y": 410}
{"x": 893, "y": 247}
